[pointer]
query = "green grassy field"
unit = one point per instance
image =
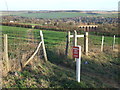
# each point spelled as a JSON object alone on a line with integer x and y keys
{"x": 101, "y": 70}
{"x": 4, "y": 13}
{"x": 63, "y": 15}
{"x": 52, "y": 37}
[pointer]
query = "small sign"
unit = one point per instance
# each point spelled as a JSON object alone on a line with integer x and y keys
{"x": 75, "y": 51}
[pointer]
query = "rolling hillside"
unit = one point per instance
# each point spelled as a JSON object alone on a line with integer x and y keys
{"x": 98, "y": 69}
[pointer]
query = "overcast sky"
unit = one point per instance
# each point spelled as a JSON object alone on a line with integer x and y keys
{"x": 59, "y": 4}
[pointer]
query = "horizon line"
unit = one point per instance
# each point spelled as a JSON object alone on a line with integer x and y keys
{"x": 59, "y": 10}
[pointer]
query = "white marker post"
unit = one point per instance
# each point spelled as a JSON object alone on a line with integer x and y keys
{"x": 77, "y": 55}
{"x": 102, "y": 43}
{"x": 114, "y": 43}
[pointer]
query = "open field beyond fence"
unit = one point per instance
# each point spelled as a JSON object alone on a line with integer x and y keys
{"x": 52, "y": 15}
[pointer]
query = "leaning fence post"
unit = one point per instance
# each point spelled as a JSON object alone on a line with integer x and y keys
{"x": 86, "y": 43}
{"x": 67, "y": 43}
{"x": 6, "y": 52}
{"x": 114, "y": 42}
{"x": 102, "y": 43}
{"x": 43, "y": 46}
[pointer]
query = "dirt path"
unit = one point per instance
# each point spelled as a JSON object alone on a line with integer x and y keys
{"x": 30, "y": 36}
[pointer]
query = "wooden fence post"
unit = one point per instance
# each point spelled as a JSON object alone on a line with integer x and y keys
{"x": 43, "y": 46}
{"x": 67, "y": 43}
{"x": 75, "y": 38}
{"x": 102, "y": 43}
{"x": 20, "y": 63}
{"x": 86, "y": 43}
{"x": 6, "y": 52}
{"x": 114, "y": 42}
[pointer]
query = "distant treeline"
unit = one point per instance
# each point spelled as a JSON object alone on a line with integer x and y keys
{"x": 54, "y": 28}
{"x": 16, "y": 25}
{"x": 96, "y": 31}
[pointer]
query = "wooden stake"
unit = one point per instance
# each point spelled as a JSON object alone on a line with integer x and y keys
{"x": 86, "y": 43}
{"x": 114, "y": 42}
{"x": 43, "y": 46}
{"x": 102, "y": 43}
{"x": 6, "y": 52}
{"x": 67, "y": 43}
{"x": 75, "y": 38}
{"x": 32, "y": 55}
{"x": 20, "y": 63}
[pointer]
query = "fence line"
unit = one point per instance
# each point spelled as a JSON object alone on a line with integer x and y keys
{"x": 20, "y": 50}
{"x": 30, "y": 45}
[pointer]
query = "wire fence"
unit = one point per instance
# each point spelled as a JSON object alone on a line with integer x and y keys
{"x": 95, "y": 43}
{"x": 21, "y": 45}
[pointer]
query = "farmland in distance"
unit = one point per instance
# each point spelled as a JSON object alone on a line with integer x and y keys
{"x": 60, "y": 14}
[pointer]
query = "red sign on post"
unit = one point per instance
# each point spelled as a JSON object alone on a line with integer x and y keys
{"x": 75, "y": 51}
